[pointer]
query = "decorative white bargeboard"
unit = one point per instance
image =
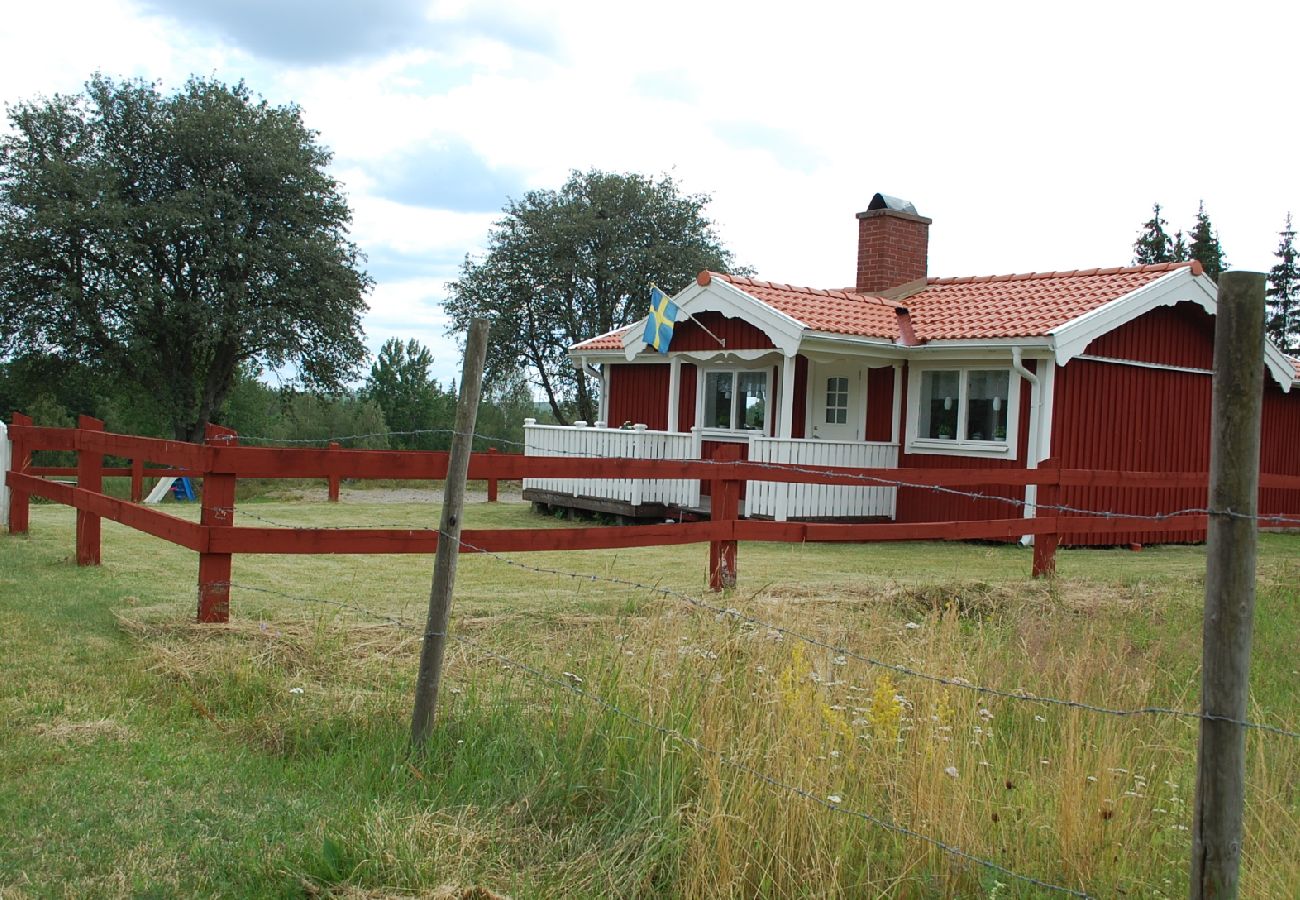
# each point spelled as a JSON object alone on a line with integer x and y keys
{"x": 782, "y": 501}
{"x": 579, "y": 441}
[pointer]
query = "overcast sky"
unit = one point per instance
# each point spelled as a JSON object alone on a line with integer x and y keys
{"x": 1035, "y": 135}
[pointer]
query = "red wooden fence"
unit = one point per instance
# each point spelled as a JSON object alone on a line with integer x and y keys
{"x": 220, "y": 461}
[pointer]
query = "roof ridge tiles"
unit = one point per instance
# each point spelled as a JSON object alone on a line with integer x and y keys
{"x": 1071, "y": 273}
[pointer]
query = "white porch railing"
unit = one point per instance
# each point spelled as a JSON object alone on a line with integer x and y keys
{"x": 580, "y": 441}
{"x": 812, "y": 501}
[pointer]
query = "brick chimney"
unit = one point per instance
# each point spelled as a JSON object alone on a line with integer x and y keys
{"x": 893, "y": 242}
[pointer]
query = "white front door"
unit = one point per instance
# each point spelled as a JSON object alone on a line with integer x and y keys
{"x": 836, "y": 401}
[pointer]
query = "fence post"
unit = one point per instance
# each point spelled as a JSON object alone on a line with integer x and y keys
{"x": 492, "y": 481}
{"x": 90, "y": 477}
{"x": 218, "y": 511}
{"x": 1228, "y": 621}
{"x": 1048, "y": 495}
{"x": 334, "y": 478}
{"x": 429, "y": 676}
{"x": 137, "y": 480}
{"x": 20, "y": 460}
{"x": 724, "y": 506}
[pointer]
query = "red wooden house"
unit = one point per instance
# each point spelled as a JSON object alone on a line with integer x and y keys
{"x": 1093, "y": 368}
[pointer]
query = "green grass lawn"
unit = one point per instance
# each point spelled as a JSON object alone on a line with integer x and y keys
{"x": 143, "y": 755}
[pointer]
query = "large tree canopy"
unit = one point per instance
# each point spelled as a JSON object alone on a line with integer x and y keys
{"x": 168, "y": 240}
{"x": 563, "y": 266}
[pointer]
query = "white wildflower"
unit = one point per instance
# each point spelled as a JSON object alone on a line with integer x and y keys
{"x": 835, "y": 798}
{"x": 951, "y": 771}
{"x": 985, "y": 714}
{"x": 912, "y": 626}
{"x": 295, "y": 690}
{"x": 574, "y": 678}
{"x": 1039, "y": 719}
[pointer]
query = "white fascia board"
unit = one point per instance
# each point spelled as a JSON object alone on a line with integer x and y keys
{"x": 1179, "y": 286}
{"x": 831, "y": 344}
{"x": 723, "y": 297}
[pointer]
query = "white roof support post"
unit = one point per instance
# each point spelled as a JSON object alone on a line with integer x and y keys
{"x": 785, "y": 421}
{"x": 6, "y": 458}
{"x": 674, "y": 392}
{"x": 897, "y": 414}
{"x": 604, "y": 392}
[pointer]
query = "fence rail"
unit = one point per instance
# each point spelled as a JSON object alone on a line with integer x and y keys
{"x": 220, "y": 462}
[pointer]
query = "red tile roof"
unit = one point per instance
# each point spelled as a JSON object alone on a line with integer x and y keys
{"x": 1028, "y": 305}
{"x": 838, "y": 312}
{"x": 996, "y": 306}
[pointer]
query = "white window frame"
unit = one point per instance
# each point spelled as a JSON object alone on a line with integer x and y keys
{"x": 1004, "y": 449}
{"x": 701, "y": 382}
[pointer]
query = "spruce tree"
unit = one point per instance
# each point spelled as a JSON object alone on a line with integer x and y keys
{"x": 1283, "y": 316}
{"x": 1153, "y": 244}
{"x": 1178, "y": 249}
{"x": 1205, "y": 246}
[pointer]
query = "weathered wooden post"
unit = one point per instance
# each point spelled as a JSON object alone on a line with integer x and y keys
{"x": 90, "y": 477}
{"x": 334, "y": 477}
{"x": 218, "y": 511}
{"x": 492, "y": 480}
{"x": 444, "y": 566}
{"x": 20, "y": 460}
{"x": 724, "y": 508}
{"x": 1049, "y": 496}
{"x": 1229, "y": 584}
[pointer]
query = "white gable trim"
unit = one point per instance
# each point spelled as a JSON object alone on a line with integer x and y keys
{"x": 723, "y": 297}
{"x": 1179, "y": 286}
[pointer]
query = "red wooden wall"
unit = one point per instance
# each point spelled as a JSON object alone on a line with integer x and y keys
{"x": 638, "y": 393}
{"x": 739, "y": 334}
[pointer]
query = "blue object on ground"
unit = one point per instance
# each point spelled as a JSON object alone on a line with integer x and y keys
{"x": 182, "y": 489}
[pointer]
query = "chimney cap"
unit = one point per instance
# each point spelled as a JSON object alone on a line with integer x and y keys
{"x": 884, "y": 201}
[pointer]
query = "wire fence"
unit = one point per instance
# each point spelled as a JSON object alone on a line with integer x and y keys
{"x": 838, "y": 475}
{"x": 729, "y": 612}
{"x": 560, "y": 683}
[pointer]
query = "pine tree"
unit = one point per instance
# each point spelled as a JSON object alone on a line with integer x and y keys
{"x": 1205, "y": 246}
{"x": 1153, "y": 244}
{"x": 1283, "y": 317}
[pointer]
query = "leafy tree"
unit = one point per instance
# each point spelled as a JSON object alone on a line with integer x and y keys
{"x": 1153, "y": 244}
{"x": 1205, "y": 246}
{"x": 170, "y": 240}
{"x": 399, "y": 382}
{"x": 563, "y": 266}
{"x": 1284, "y": 293}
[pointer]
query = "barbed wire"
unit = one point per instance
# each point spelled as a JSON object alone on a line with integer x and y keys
{"x": 897, "y": 668}
{"x": 871, "y": 480}
{"x": 676, "y": 735}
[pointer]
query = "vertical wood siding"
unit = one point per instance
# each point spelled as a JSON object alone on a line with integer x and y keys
{"x": 686, "y": 399}
{"x": 880, "y": 404}
{"x": 1140, "y": 420}
{"x": 739, "y": 334}
{"x": 1280, "y": 447}
{"x": 638, "y": 393}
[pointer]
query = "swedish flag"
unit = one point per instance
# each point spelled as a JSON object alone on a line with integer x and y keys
{"x": 659, "y": 326}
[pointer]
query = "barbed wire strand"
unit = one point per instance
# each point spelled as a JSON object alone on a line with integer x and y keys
{"x": 897, "y": 668}
{"x": 872, "y": 480}
{"x": 676, "y": 735}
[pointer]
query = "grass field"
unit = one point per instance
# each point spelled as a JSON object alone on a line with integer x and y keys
{"x": 143, "y": 755}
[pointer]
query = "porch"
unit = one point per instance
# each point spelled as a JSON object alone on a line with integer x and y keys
{"x": 668, "y": 498}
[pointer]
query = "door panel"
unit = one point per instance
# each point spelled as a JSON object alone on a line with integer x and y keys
{"x": 836, "y": 402}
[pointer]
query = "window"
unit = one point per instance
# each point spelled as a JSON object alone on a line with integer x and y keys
{"x": 964, "y": 409}
{"x": 837, "y": 401}
{"x": 735, "y": 400}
